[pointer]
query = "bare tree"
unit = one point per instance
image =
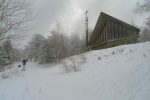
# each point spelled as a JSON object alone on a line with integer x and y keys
{"x": 145, "y": 36}
{"x": 34, "y": 46}
{"x": 143, "y": 7}
{"x": 13, "y": 16}
{"x": 56, "y": 42}
{"x": 57, "y": 45}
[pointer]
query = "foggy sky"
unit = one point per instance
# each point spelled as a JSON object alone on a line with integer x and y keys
{"x": 71, "y": 14}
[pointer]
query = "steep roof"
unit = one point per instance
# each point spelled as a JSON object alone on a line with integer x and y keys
{"x": 104, "y": 18}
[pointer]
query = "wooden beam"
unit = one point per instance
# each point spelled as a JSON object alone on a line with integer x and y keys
{"x": 115, "y": 32}
{"x": 109, "y": 32}
{"x": 106, "y": 32}
{"x": 119, "y": 31}
{"x": 112, "y": 30}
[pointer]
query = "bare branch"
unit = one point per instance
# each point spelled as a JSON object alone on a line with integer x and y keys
{"x": 14, "y": 14}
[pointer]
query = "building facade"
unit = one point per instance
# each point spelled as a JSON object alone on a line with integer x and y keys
{"x": 110, "y": 32}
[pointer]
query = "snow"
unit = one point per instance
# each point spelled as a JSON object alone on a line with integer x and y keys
{"x": 119, "y": 73}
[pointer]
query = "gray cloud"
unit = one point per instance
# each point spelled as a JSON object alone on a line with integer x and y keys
{"x": 49, "y": 11}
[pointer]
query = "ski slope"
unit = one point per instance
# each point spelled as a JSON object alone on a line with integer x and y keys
{"x": 119, "y": 73}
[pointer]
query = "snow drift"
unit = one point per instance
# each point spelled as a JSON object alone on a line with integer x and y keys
{"x": 119, "y": 73}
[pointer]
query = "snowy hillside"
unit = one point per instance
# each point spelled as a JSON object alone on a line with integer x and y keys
{"x": 119, "y": 73}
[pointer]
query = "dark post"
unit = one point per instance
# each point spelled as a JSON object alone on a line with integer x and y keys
{"x": 86, "y": 28}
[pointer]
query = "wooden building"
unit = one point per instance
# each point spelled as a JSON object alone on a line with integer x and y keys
{"x": 110, "y": 32}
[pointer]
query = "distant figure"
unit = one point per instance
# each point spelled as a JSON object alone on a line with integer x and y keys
{"x": 24, "y": 61}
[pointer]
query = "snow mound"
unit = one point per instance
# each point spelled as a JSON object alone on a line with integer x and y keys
{"x": 119, "y": 73}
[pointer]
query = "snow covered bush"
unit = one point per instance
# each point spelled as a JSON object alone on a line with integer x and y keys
{"x": 4, "y": 76}
{"x": 10, "y": 71}
{"x": 116, "y": 51}
{"x": 7, "y": 55}
{"x": 83, "y": 58}
{"x": 65, "y": 66}
{"x": 74, "y": 63}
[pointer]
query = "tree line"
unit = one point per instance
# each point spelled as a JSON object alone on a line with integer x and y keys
{"x": 54, "y": 47}
{"x": 14, "y": 14}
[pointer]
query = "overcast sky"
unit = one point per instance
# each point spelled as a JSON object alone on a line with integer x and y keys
{"x": 71, "y": 14}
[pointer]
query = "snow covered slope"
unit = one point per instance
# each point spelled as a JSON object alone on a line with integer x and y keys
{"x": 119, "y": 73}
